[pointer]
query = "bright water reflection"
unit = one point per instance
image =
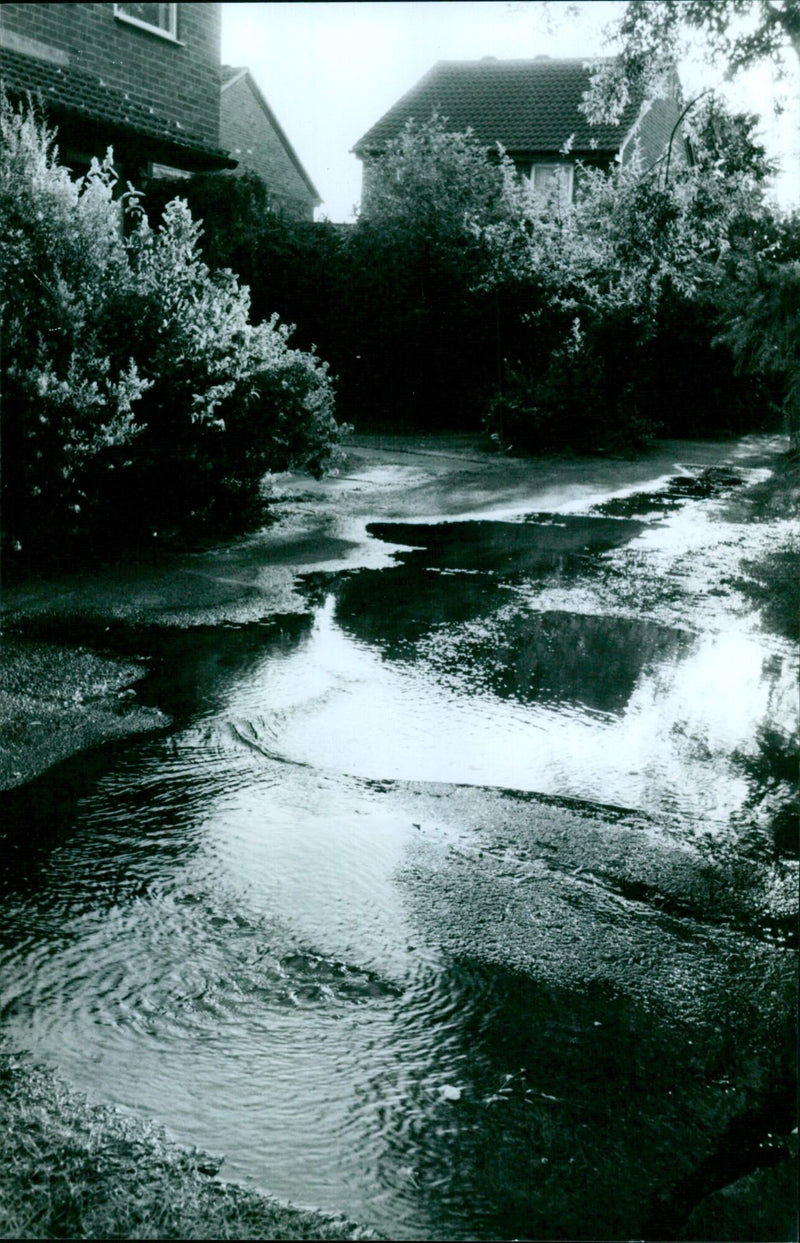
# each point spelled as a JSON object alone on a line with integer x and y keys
{"x": 604, "y": 709}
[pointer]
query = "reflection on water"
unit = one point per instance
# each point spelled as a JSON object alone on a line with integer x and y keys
{"x": 710, "y": 482}
{"x": 542, "y": 542}
{"x": 449, "y": 1012}
{"x": 259, "y": 979}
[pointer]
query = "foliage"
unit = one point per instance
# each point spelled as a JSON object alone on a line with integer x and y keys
{"x": 233, "y": 209}
{"x": 138, "y": 396}
{"x": 416, "y": 259}
{"x": 626, "y": 289}
{"x": 762, "y": 327}
{"x": 68, "y": 411}
{"x": 737, "y": 33}
{"x": 577, "y": 327}
{"x": 228, "y": 400}
{"x": 286, "y": 263}
{"x": 724, "y": 143}
{"x": 432, "y": 183}
{"x": 629, "y": 235}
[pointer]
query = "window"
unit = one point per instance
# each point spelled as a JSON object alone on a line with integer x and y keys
{"x": 161, "y": 19}
{"x": 546, "y": 177}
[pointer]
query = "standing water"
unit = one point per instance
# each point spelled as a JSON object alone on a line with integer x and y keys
{"x": 458, "y": 903}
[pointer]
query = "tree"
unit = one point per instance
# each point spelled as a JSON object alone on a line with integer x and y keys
{"x": 624, "y": 289}
{"x": 426, "y": 343}
{"x": 737, "y": 34}
{"x": 725, "y": 142}
{"x": 649, "y": 33}
{"x": 433, "y": 183}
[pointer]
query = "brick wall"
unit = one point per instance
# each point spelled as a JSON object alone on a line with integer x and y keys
{"x": 247, "y": 132}
{"x": 179, "y": 80}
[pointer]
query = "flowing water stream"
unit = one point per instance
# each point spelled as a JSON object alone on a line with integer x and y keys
{"x": 459, "y": 902}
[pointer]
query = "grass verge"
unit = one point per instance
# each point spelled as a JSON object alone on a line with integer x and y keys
{"x": 70, "y": 1169}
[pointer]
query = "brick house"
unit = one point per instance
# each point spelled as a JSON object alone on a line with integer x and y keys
{"x": 531, "y": 107}
{"x": 251, "y": 132}
{"x": 143, "y": 78}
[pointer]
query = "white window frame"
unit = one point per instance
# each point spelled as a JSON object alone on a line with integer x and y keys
{"x": 163, "y": 33}
{"x": 565, "y": 176}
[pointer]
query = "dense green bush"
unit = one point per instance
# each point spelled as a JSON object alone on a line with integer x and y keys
{"x": 628, "y": 289}
{"x": 68, "y": 409}
{"x": 461, "y": 299}
{"x": 138, "y": 398}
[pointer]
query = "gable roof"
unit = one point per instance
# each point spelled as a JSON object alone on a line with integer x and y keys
{"x": 229, "y": 76}
{"x": 72, "y": 92}
{"x": 527, "y": 105}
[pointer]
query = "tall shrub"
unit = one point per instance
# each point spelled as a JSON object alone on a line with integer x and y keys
{"x": 67, "y": 408}
{"x": 138, "y": 398}
{"x": 227, "y": 399}
{"x": 762, "y": 327}
{"x": 428, "y": 330}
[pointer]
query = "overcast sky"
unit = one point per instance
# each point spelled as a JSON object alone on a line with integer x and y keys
{"x": 330, "y": 70}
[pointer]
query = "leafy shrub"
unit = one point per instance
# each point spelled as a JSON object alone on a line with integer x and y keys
{"x": 642, "y": 260}
{"x": 390, "y": 301}
{"x": 228, "y": 399}
{"x": 762, "y": 327}
{"x": 455, "y": 292}
{"x": 233, "y": 209}
{"x": 67, "y": 409}
{"x": 582, "y": 401}
{"x": 138, "y": 396}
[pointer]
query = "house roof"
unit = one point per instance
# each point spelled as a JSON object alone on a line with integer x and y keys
{"x": 527, "y": 105}
{"x": 229, "y": 76}
{"x": 70, "y": 92}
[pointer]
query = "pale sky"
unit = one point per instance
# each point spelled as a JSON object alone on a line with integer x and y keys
{"x": 330, "y": 70}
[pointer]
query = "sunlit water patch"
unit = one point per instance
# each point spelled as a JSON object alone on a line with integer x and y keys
{"x": 606, "y": 709}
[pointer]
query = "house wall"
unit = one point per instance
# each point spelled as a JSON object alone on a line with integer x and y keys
{"x": 652, "y": 135}
{"x": 246, "y": 131}
{"x": 179, "y": 80}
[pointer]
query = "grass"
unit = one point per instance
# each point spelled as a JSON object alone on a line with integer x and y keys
{"x": 70, "y": 1169}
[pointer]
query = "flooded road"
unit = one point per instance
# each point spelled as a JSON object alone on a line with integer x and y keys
{"x": 459, "y": 897}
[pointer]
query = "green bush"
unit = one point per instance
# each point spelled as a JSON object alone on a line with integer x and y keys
{"x": 583, "y": 400}
{"x": 228, "y": 400}
{"x": 138, "y": 398}
{"x": 68, "y": 410}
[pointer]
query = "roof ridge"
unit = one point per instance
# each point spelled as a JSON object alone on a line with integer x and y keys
{"x": 246, "y": 74}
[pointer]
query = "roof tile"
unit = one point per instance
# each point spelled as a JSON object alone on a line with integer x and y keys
{"x": 74, "y": 91}
{"x": 527, "y": 105}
